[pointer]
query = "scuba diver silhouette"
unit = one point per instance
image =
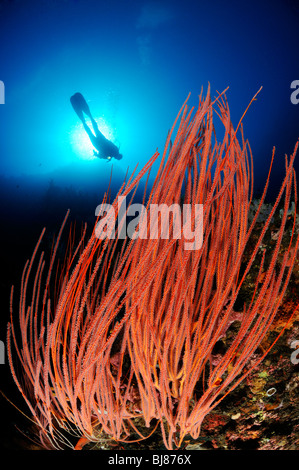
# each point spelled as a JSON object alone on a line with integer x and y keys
{"x": 105, "y": 148}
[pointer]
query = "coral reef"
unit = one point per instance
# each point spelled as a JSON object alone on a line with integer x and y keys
{"x": 122, "y": 338}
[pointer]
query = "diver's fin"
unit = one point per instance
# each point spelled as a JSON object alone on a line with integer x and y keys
{"x": 80, "y": 105}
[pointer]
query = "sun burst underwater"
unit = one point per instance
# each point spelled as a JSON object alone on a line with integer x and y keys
{"x": 81, "y": 143}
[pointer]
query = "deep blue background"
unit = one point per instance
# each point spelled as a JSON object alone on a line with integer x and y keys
{"x": 135, "y": 62}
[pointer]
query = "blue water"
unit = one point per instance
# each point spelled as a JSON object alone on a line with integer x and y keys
{"x": 135, "y": 62}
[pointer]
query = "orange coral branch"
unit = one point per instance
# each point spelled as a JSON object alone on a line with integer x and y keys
{"x": 131, "y": 331}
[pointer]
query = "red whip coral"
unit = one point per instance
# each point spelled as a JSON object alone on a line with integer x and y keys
{"x": 129, "y": 330}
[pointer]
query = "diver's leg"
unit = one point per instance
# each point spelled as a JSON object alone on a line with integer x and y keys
{"x": 95, "y": 126}
{"x": 97, "y": 131}
{"x": 91, "y": 136}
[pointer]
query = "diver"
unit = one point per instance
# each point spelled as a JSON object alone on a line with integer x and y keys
{"x": 105, "y": 148}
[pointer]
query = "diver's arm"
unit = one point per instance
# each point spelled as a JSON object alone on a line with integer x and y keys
{"x": 102, "y": 157}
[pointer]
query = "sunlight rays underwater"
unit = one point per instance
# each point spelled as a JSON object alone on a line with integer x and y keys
{"x": 81, "y": 143}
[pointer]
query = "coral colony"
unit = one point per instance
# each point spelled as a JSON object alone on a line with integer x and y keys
{"x": 121, "y": 335}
